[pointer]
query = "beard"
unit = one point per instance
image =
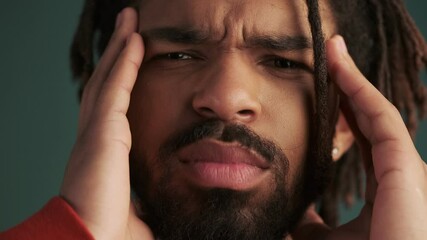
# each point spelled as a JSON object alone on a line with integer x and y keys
{"x": 217, "y": 213}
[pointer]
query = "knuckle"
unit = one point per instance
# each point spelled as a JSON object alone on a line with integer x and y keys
{"x": 359, "y": 91}
{"x": 392, "y": 110}
{"x": 119, "y": 36}
{"x": 134, "y": 65}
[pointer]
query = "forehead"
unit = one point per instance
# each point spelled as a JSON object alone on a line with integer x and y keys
{"x": 225, "y": 17}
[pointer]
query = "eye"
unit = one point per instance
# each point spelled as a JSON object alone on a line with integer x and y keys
{"x": 281, "y": 64}
{"x": 285, "y": 63}
{"x": 177, "y": 56}
{"x": 284, "y": 68}
{"x": 170, "y": 60}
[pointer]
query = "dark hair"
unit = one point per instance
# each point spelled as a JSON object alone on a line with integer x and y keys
{"x": 381, "y": 37}
{"x": 390, "y": 51}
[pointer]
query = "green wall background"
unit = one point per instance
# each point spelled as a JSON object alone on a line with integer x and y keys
{"x": 38, "y": 103}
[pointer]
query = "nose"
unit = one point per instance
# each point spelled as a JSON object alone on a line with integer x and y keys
{"x": 229, "y": 91}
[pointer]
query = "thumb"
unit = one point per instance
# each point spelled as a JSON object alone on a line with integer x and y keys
{"x": 311, "y": 226}
{"x": 136, "y": 228}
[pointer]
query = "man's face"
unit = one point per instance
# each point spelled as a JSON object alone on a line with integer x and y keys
{"x": 220, "y": 115}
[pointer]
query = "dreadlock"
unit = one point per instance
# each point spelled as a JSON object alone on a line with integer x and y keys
{"x": 318, "y": 166}
{"x": 390, "y": 51}
{"x": 382, "y": 39}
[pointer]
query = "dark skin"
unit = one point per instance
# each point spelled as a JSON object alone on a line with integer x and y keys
{"x": 97, "y": 182}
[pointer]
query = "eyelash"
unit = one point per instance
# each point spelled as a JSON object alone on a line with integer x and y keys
{"x": 282, "y": 63}
{"x": 176, "y": 56}
{"x": 274, "y": 61}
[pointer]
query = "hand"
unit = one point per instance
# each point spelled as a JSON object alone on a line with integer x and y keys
{"x": 396, "y": 191}
{"x": 96, "y": 182}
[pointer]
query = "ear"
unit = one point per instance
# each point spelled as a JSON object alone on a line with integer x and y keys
{"x": 343, "y": 138}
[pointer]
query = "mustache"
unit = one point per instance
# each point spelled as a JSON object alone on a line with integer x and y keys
{"x": 225, "y": 132}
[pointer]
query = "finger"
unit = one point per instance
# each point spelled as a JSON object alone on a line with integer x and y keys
{"x": 311, "y": 226}
{"x": 366, "y": 99}
{"x": 399, "y": 200}
{"x": 378, "y": 120}
{"x": 362, "y": 142}
{"x": 137, "y": 229}
{"x": 109, "y": 120}
{"x": 115, "y": 93}
{"x": 126, "y": 23}
{"x": 96, "y": 182}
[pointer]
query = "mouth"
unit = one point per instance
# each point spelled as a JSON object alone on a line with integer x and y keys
{"x": 214, "y": 164}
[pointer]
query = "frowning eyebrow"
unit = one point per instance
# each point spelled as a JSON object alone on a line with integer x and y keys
{"x": 176, "y": 35}
{"x": 195, "y": 37}
{"x": 281, "y": 43}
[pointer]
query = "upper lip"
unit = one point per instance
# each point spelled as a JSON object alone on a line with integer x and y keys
{"x": 210, "y": 150}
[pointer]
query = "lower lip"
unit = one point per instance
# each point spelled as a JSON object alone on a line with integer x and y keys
{"x": 237, "y": 176}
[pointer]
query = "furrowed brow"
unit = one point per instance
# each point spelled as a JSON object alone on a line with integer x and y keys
{"x": 280, "y": 43}
{"x": 176, "y": 35}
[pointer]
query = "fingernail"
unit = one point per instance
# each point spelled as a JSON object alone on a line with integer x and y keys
{"x": 341, "y": 44}
{"x": 119, "y": 20}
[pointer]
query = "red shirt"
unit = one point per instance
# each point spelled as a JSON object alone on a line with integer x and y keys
{"x": 56, "y": 220}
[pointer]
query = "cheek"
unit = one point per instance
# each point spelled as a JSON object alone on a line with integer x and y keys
{"x": 291, "y": 111}
{"x": 152, "y": 115}
{"x": 295, "y": 121}
{"x": 291, "y": 106}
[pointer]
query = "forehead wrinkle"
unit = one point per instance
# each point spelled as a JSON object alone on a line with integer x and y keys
{"x": 183, "y": 34}
{"x": 194, "y": 36}
{"x": 281, "y": 42}
{"x": 249, "y": 34}
{"x": 226, "y": 27}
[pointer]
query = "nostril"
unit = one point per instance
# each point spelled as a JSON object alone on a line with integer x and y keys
{"x": 206, "y": 111}
{"x": 245, "y": 112}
